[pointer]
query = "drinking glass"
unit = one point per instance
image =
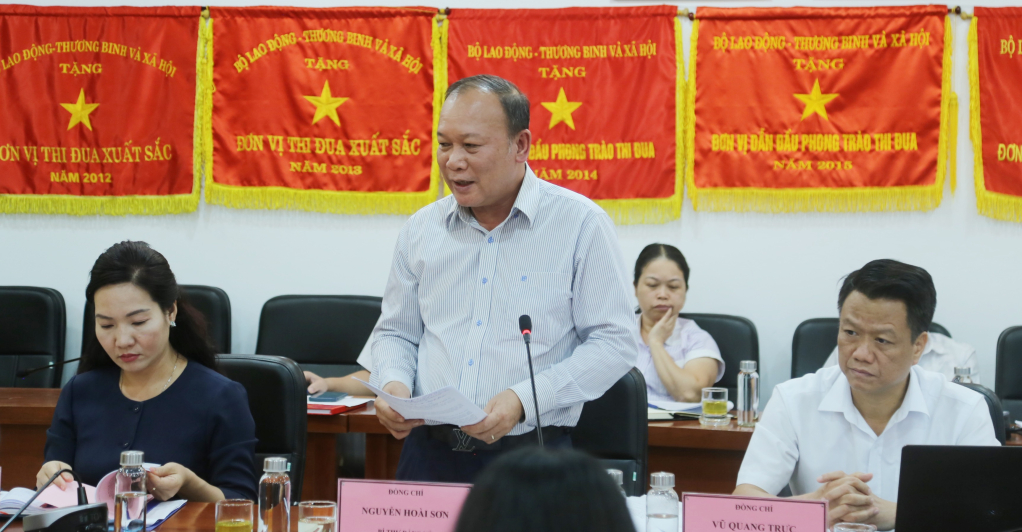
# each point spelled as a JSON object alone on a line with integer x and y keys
{"x": 317, "y": 516}
{"x": 234, "y": 515}
{"x": 714, "y": 407}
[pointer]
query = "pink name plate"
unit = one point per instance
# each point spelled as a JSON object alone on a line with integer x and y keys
{"x": 716, "y": 513}
{"x": 392, "y": 506}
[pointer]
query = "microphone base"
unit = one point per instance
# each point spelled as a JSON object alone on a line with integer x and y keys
{"x": 82, "y": 518}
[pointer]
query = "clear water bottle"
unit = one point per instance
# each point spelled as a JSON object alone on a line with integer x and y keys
{"x": 963, "y": 376}
{"x": 130, "y": 494}
{"x": 619, "y": 479}
{"x": 275, "y": 496}
{"x": 661, "y": 504}
{"x": 748, "y": 394}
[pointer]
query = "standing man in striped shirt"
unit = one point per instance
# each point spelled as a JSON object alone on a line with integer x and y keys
{"x": 466, "y": 267}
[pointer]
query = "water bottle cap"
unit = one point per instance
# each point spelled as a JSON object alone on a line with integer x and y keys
{"x": 963, "y": 371}
{"x": 661, "y": 480}
{"x": 617, "y": 476}
{"x": 131, "y": 458}
{"x": 747, "y": 365}
{"x": 275, "y": 464}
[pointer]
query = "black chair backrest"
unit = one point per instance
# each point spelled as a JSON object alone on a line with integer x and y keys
{"x": 1008, "y": 380}
{"x": 214, "y": 304}
{"x": 33, "y": 323}
{"x": 277, "y": 400}
{"x": 210, "y": 301}
{"x": 737, "y": 340}
{"x": 324, "y": 334}
{"x": 614, "y": 429}
{"x": 816, "y": 338}
{"x": 994, "y": 404}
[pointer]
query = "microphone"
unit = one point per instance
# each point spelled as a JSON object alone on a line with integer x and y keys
{"x": 525, "y": 324}
{"x": 26, "y": 372}
{"x": 82, "y": 498}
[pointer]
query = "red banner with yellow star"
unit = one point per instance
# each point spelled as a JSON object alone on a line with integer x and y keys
{"x": 995, "y": 75}
{"x": 603, "y": 85}
{"x": 328, "y": 110}
{"x": 98, "y": 109}
{"x": 829, "y": 109}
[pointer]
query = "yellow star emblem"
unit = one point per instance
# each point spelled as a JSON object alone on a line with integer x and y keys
{"x": 561, "y": 109}
{"x": 326, "y": 105}
{"x": 815, "y": 101}
{"x": 80, "y": 111}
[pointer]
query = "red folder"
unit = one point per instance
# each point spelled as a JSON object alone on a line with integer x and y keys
{"x": 329, "y": 410}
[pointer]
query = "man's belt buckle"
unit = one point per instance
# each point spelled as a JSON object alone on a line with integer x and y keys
{"x": 464, "y": 441}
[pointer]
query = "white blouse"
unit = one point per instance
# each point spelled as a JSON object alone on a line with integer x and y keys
{"x": 687, "y": 342}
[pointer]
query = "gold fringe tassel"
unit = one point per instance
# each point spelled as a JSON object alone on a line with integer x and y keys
{"x": 440, "y": 34}
{"x": 329, "y": 201}
{"x": 945, "y": 112}
{"x": 953, "y": 142}
{"x": 120, "y": 205}
{"x": 690, "y": 119}
{"x": 660, "y": 210}
{"x": 992, "y": 204}
{"x": 859, "y": 199}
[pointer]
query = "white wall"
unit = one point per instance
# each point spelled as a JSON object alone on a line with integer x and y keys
{"x": 777, "y": 270}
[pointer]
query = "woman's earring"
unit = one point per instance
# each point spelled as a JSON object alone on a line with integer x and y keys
{"x": 173, "y": 324}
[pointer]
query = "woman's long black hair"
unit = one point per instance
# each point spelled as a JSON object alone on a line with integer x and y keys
{"x": 144, "y": 267}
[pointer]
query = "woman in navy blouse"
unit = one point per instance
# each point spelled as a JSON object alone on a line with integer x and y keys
{"x": 149, "y": 383}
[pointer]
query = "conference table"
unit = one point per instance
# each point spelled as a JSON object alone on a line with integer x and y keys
{"x": 193, "y": 517}
{"x": 703, "y": 459}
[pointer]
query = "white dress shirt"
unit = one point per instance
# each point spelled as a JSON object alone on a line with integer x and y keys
{"x": 365, "y": 357}
{"x": 941, "y": 354}
{"x": 687, "y": 342}
{"x": 810, "y": 427}
{"x": 456, "y": 290}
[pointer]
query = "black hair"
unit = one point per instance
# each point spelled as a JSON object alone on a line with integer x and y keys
{"x": 514, "y": 102}
{"x": 895, "y": 281}
{"x": 544, "y": 489}
{"x": 144, "y": 267}
{"x": 655, "y": 251}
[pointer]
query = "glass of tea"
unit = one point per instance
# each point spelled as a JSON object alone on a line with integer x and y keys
{"x": 714, "y": 407}
{"x": 234, "y": 515}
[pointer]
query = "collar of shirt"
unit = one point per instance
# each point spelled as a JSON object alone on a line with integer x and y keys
{"x": 527, "y": 203}
{"x": 839, "y": 399}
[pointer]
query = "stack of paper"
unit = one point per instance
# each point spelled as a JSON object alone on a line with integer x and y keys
{"x": 669, "y": 410}
{"x": 336, "y": 407}
{"x": 446, "y": 405}
{"x": 11, "y": 501}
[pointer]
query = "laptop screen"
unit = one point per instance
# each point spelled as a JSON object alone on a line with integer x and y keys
{"x": 974, "y": 489}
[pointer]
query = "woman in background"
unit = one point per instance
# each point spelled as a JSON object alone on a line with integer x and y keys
{"x": 544, "y": 489}
{"x": 149, "y": 383}
{"x": 677, "y": 358}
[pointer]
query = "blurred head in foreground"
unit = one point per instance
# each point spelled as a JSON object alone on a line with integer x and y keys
{"x": 538, "y": 489}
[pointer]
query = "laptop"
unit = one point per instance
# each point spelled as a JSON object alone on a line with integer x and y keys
{"x": 974, "y": 489}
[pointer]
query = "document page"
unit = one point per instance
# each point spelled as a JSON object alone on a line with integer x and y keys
{"x": 446, "y": 405}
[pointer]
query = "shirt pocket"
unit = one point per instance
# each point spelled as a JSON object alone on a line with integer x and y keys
{"x": 546, "y": 298}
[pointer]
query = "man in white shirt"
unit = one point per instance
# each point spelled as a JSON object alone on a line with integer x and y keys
{"x": 941, "y": 354}
{"x": 856, "y": 417}
{"x": 504, "y": 244}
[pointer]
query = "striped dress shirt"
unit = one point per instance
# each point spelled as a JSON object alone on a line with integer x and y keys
{"x": 456, "y": 290}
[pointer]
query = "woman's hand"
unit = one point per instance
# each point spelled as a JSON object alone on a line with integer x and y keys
{"x": 48, "y": 470}
{"x": 663, "y": 328}
{"x": 171, "y": 479}
{"x": 317, "y": 384}
{"x": 167, "y": 480}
